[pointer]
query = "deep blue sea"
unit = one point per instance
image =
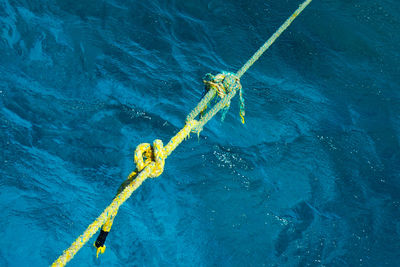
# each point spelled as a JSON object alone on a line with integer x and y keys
{"x": 311, "y": 179}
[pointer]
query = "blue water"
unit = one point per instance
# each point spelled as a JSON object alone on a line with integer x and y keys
{"x": 311, "y": 179}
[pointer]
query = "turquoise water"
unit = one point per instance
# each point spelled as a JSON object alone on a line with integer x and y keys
{"x": 311, "y": 179}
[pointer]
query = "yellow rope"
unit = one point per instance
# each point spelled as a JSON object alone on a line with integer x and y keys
{"x": 272, "y": 39}
{"x": 150, "y": 160}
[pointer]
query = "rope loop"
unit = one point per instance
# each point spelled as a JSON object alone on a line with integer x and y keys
{"x": 145, "y": 154}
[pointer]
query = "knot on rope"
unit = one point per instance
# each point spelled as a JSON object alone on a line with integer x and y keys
{"x": 223, "y": 83}
{"x": 145, "y": 154}
{"x": 226, "y": 84}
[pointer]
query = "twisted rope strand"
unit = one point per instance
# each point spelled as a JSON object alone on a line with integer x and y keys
{"x": 69, "y": 253}
{"x": 271, "y": 40}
